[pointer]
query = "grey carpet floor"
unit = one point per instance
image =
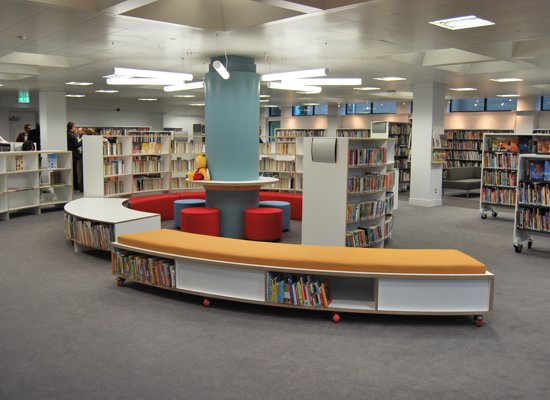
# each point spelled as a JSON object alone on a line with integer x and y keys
{"x": 68, "y": 332}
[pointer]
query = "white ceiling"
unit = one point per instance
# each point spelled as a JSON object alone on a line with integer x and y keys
{"x": 45, "y": 43}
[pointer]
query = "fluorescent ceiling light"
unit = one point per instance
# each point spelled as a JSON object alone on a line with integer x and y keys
{"x": 145, "y": 73}
{"x": 463, "y": 89}
{"x": 79, "y": 83}
{"x": 219, "y": 67}
{"x": 184, "y": 86}
{"x": 507, "y": 95}
{"x": 308, "y": 73}
{"x": 294, "y": 86}
{"x": 468, "y": 21}
{"x": 265, "y": 95}
{"x": 269, "y": 106}
{"x": 264, "y": 101}
{"x": 390, "y": 78}
{"x": 367, "y": 88}
{"x": 326, "y": 81}
{"x": 307, "y": 92}
{"x": 310, "y": 104}
{"x": 197, "y": 104}
{"x": 184, "y": 95}
{"x": 124, "y": 80}
{"x": 106, "y": 91}
{"x": 75, "y": 95}
{"x": 147, "y": 99}
{"x": 507, "y": 80}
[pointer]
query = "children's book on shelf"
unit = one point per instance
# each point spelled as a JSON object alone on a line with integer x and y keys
{"x": 52, "y": 161}
{"x": 507, "y": 144}
{"x": 19, "y": 163}
{"x": 543, "y": 145}
{"x": 525, "y": 144}
{"x": 547, "y": 170}
{"x": 536, "y": 171}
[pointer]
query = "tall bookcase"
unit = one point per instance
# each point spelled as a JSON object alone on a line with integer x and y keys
{"x": 138, "y": 162}
{"x": 33, "y": 180}
{"x": 348, "y": 201}
{"x": 111, "y": 130}
{"x": 282, "y": 158}
{"x": 353, "y": 133}
{"x": 184, "y": 151}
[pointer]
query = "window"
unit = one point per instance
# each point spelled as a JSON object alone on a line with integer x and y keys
{"x": 545, "y": 103}
{"x": 274, "y": 111}
{"x": 321, "y": 109}
{"x": 358, "y": 108}
{"x": 467, "y": 105}
{"x": 306, "y": 110}
{"x": 384, "y": 107}
{"x": 501, "y": 104}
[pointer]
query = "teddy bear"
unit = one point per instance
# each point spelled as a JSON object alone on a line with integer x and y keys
{"x": 201, "y": 172}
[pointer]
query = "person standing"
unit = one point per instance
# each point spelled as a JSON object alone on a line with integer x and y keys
{"x": 75, "y": 146}
{"x": 34, "y": 136}
{"x": 24, "y": 135}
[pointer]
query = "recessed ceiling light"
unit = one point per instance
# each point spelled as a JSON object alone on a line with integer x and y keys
{"x": 75, "y": 95}
{"x": 507, "y": 80}
{"x": 197, "y": 104}
{"x": 106, "y": 91}
{"x": 465, "y": 22}
{"x": 390, "y": 78}
{"x": 507, "y": 95}
{"x": 264, "y": 101}
{"x": 79, "y": 83}
{"x": 265, "y": 95}
{"x": 184, "y": 86}
{"x": 185, "y": 95}
{"x": 1, "y": 84}
{"x": 367, "y": 88}
{"x": 147, "y": 99}
{"x": 463, "y": 89}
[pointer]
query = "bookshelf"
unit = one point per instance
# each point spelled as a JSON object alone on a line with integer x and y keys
{"x": 361, "y": 195}
{"x": 33, "y": 180}
{"x": 282, "y": 158}
{"x": 532, "y": 207}
{"x": 93, "y": 223}
{"x": 500, "y": 160}
{"x": 353, "y": 133}
{"x": 110, "y": 130}
{"x": 184, "y": 150}
{"x": 138, "y": 162}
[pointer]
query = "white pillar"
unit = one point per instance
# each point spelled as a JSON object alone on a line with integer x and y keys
{"x": 332, "y": 119}
{"x": 52, "y": 105}
{"x": 526, "y": 114}
{"x": 428, "y": 116}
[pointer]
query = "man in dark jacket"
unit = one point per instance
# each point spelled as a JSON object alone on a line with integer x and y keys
{"x": 75, "y": 146}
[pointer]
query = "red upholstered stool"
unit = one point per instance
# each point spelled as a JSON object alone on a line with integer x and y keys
{"x": 201, "y": 220}
{"x": 264, "y": 224}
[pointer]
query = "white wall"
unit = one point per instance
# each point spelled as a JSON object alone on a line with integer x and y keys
{"x": 482, "y": 120}
{"x": 184, "y": 122}
{"x": 115, "y": 118}
{"x": 18, "y": 121}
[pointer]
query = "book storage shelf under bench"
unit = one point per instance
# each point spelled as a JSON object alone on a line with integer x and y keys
{"x": 334, "y": 279}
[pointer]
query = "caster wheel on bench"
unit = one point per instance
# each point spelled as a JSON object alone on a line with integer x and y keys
{"x": 494, "y": 214}
{"x": 206, "y": 302}
{"x": 335, "y": 317}
{"x": 483, "y": 216}
{"x": 479, "y": 320}
{"x": 120, "y": 281}
{"x": 518, "y": 248}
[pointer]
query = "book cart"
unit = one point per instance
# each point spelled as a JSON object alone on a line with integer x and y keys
{"x": 500, "y": 167}
{"x": 532, "y": 209}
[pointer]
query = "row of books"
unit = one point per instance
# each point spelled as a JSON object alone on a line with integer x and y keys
{"x": 368, "y": 183}
{"x": 400, "y": 129}
{"x": 534, "y": 194}
{"x": 402, "y": 140}
{"x": 113, "y": 186}
{"x": 506, "y": 197}
{"x": 466, "y": 155}
{"x": 113, "y": 167}
{"x": 402, "y": 163}
{"x": 505, "y": 160}
{"x": 471, "y": 135}
{"x": 299, "y": 132}
{"x": 153, "y": 137}
{"x": 402, "y": 151}
{"x": 356, "y": 212}
{"x": 91, "y": 234}
{"x": 146, "y": 148}
{"x": 466, "y": 145}
{"x": 404, "y": 176}
{"x": 298, "y": 290}
{"x": 439, "y": 156}
{"x": 365, "y": 236}
{"x": 152, "y": 270}
{"x": 362, "y": 157}
{"x": 521, "y": 144}
{"x": 356, "y": 133}
{"x": 147, "y": 183}
{"x": 180, "y": 165}
{"x": 539, "y": 171}
{"x": 112, "y": 148}
{"x": 181, "y": 183}
{"x": 284, "y": 182}
{"x": 499, "y": 178}
{"x": 147, "y": 164}
{"x": 460, "y": 163}
{"x": 534, "y": 219}
{"x": 269, "y": 164}
{"x": 275, "y": 148}
{"x": 180, "y": 147}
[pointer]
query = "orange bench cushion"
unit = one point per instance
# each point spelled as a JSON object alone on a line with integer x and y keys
{"x": 401, "y": 261}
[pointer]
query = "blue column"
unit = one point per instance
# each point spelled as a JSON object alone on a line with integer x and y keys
{"x": 232, "y": 114}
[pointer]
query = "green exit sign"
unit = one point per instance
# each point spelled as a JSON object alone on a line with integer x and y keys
{"x": 23, "y": 96}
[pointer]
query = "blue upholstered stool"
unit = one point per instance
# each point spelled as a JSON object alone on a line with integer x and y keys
{"x": 185, "y": 203}
{"x": 284, "y": 206}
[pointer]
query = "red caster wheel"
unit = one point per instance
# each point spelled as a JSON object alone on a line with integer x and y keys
{"x": 206, "y": 302}
{"x": 120, "y": 282}
{"x": 479, "y": 320}
{"x": 335, "y": 317}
